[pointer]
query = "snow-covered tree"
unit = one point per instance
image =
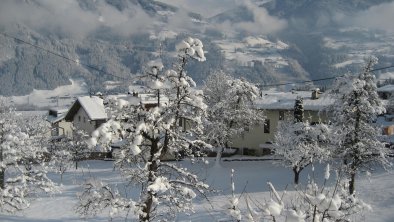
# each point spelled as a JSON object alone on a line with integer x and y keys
{"x": 59, "y": 155}
{"x": 149, "y": 136}
{"x": 299, "y": 143}
{"x": 231, "y": 111}
{"x": 67, "y": 151}
{"x": 299, "y": 110}
{"x": 78, "y": 146}
{"x": 354, "y": 112}
{"x": 22, "y": 159}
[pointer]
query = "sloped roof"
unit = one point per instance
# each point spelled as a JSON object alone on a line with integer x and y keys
{"x": 274, "y": 100}
{"x": 92, "y": 105}
{"x": 386, "y": 88}
{"x": 53, "y": 119}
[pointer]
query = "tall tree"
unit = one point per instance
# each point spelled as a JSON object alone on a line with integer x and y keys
{"x": 354, "y": 112}
{"x": 231, "y": 110}
{"x": 149, "y": 136}
{"x": 22, "y": 159}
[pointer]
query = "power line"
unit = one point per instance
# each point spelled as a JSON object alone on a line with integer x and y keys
{"x": 62, "y": 56}
{"x": 322, "y": 79}
{"x": 107, "y": 73}
{"x": 300, "y": 82}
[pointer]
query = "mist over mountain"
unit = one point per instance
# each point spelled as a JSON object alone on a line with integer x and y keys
{"x": 263, "y": 41}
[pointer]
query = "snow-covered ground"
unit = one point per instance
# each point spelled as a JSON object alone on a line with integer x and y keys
{"x": 253, "y": 48}
{"x": 251, "y": 178}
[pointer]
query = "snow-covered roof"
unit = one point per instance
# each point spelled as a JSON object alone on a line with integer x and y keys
{"x": 54, "y": 119}
{"x": 274, "y": 100}
{"x": 59, "y": 110}
{"x": 386, "y": 88}
{"x": 140, "y": 98}
{"x": 93, "y": 106}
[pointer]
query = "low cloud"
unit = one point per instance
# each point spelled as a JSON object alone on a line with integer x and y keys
{"x": 377, "y": 17}
{"x": 66, "y": 17}
{"x": 263, "y": 22}
{"x": 79, "y": 19}
{"x": 206, "y": 8}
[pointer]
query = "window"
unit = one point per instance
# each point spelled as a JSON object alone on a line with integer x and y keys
{"x": 84, "y": 119}
{"x": 79, "y": 118}
{"x": 281, "y": 115}
{"x": 267, "y": 126}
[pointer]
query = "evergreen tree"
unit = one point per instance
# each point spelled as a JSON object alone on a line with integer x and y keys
{"x": 353, "y": 115}
{"x": 299, "y": 110}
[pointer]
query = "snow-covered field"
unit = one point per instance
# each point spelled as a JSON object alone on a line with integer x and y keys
{"x": 250, "y": 180}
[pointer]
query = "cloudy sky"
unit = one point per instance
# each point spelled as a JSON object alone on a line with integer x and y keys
{"x": 207, "y": 8}
{"x": 70, "y": 19}
{"x": 380, "y": 17}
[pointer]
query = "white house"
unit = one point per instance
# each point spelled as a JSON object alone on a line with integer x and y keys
{"x": 276, "y": 106}
{"x": 59, "y": 126}
{"x": 87, "y": 113}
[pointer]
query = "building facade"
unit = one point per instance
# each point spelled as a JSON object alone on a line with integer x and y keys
{"x": 277, "y": 106}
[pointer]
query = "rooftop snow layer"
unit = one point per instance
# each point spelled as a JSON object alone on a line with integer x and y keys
{"x": 386, "y": 88}
{"x": 285, "y": 100}
{"x": 93, "y": 106}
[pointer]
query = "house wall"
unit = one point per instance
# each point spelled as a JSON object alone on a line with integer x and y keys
{"x": 256, "y": 139}
{"x": 65, "y": 128}
{"x": 81, "y": 121}
{"x": 61, "y": 128}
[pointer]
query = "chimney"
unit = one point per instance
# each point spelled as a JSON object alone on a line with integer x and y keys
{"x": 316, "y": 93}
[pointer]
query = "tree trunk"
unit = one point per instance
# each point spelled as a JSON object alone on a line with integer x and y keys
{"x": 296, "y": 171}
{"x": 352, "y": 185}
{"x": 219, "y": 152}
{"x": 2, "y": 179}
{"x": 2, "y": 174}
{"x": 153, "y": 168}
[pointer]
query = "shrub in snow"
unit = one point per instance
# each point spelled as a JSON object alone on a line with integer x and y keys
{"x": 233, "y": 208}
{"x": 22, "y": 159}
{"x": 310, "y": 204}
{"x": 147, "y": 137}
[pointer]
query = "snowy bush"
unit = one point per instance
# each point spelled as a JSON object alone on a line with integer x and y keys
{"x": 23, "y": 170}
{"x": 309, "y": 204}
